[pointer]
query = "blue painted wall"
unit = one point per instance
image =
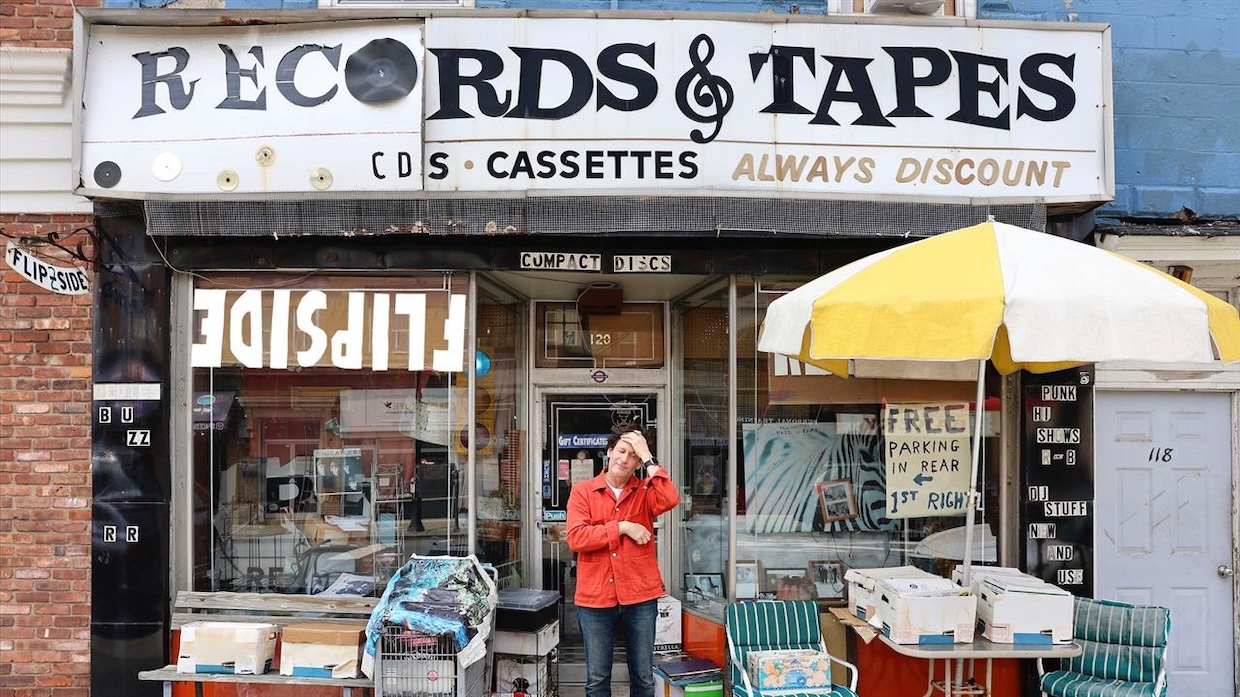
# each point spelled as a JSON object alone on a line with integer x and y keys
{"x": 1176, "y": 86}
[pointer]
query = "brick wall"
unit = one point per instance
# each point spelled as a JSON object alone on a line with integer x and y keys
{"x": 45, "y": 397}
{"x": 45, "y": 480}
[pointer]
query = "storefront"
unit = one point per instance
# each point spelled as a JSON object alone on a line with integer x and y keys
{"x": 383, "y": 286}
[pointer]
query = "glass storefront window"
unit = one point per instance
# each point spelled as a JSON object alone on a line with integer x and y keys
{"x": 703, "y": 335}
{"x": 814, "y": 495}
{"x": 330, "y": 428}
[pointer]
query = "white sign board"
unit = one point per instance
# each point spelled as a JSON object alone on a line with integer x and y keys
{"x": 927, "y": 459}
{"x": 819, "y": 108}
{"x": 259, "y": 109}
{"x": 601, "y": 106}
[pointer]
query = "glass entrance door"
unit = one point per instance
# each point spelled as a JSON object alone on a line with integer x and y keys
{"x": 574, "y": 448}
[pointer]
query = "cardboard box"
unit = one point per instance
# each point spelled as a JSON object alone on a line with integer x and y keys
{"x": 322, "y": 650}
{"x": 537, "y": 643}
{"x": 667, "y": 625}
{"x": 240, "y": 648}
{"x": 926, "y": 611}
{"x": 789, "y": 671}
{"x": 861, "y": 599}
{"x": 1024, "y": 610}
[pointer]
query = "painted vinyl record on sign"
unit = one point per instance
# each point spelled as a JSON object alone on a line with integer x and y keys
{"x": 381, "y": 71}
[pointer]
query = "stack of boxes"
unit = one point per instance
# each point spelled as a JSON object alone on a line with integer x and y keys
{"x": 526, "y": 639}
{"x": 1016, "y": 608}
{"x": 912, "y": 606}
{"x": 311, "y": 649}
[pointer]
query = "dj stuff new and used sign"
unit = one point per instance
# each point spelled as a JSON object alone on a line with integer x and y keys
{"x": 592, "y": 105}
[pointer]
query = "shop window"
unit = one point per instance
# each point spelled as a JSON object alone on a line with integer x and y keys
{"x": 842, "y": 473}
{"x": 814, "y": 492}
{"x": 332, "y": 432}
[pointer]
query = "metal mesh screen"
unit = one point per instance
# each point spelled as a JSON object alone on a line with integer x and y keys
{"x": 662, "y": 215}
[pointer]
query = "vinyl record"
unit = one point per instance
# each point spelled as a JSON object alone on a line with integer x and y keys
{"x": 107, "y": 174}
{"x": 381, "y": 71}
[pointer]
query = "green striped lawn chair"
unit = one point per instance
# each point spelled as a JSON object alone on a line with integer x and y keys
{"x": 1125, "y": 648}
{"x": 767, "y": 625}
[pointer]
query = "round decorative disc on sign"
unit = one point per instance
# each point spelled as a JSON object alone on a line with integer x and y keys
{"x": 107, "y": 174}
{"x": 381, "y": 71}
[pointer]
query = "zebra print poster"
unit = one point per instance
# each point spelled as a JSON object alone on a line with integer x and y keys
{"x": 784, "y": 462}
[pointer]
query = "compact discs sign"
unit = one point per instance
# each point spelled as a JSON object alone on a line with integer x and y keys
{"x": 593, "y": 105}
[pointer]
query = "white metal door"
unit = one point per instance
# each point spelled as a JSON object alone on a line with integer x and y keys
{"x": 1164, "y": 524}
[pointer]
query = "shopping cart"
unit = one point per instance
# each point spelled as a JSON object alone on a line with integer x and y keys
{"x": 411, "y": 664}
{"x": 432, "y": 633}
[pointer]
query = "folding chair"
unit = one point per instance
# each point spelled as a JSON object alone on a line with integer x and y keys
{"x": 767, "y": 625}
{"x": 1125, "y": 648}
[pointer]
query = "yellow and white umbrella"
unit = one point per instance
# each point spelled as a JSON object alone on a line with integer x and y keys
{"x": 1018, "y": 298}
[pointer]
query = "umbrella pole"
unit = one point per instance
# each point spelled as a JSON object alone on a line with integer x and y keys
{"x": 971, "y": 508}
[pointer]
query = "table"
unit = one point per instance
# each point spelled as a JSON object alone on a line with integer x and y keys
{"x": 979, "y": 649}
{"x": 169, "y": 675}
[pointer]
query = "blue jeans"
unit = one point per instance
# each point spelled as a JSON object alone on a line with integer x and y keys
{"x": 599, "y": 629}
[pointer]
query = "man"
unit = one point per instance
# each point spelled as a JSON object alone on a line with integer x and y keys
{"x": 611, "y": 528}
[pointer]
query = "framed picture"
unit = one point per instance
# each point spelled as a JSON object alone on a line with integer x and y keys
{"x": 748, "y": 578}
{"x": 774, "y": 578}
{"x": 703, "y": 586}
{"x": 828, "y": 578}
{"x": 835, "y": 498}
{"x": 706, "y": 479}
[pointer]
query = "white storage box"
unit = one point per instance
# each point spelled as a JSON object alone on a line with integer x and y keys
{"x": 861, "y": 599}
{"x": 240, "y": 648}
{"x": 667, "y": 625}
{"x": 322, "y": 650}
{"x": 537, "y": 643}
{"x": 926, "y": 611}
{"x": 981, "y": 573}
{"x": 1024, "y": 611}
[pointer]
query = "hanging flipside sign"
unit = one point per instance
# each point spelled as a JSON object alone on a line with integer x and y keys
{"x": 58, "y": 279}
{"x": 345, "y": 329}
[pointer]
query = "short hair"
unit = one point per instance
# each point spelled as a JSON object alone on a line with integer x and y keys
{"x": 617, "y": 431}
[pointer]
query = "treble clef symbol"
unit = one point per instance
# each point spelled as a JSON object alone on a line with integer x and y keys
{"x": 709, "y": 91}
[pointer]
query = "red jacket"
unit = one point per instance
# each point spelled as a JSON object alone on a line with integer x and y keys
{"x": 612, "y": 569}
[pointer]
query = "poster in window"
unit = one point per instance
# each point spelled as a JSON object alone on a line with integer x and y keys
{"x": 783, "y": 462}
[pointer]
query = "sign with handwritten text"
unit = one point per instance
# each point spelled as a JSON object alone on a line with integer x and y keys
{"x": 927, "y": 459}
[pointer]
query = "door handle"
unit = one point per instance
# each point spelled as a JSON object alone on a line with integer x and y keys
{"x": 1224, "y": 571}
